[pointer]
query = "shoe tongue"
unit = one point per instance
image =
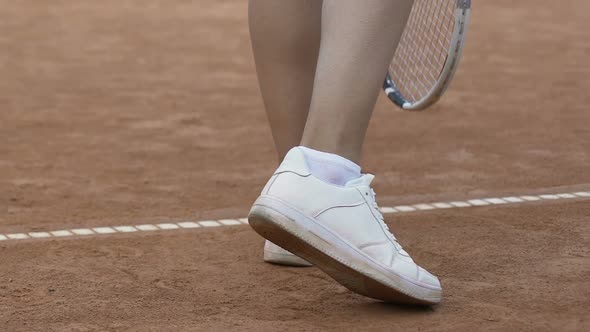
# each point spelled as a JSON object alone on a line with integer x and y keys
{"x": 364, "y": 180}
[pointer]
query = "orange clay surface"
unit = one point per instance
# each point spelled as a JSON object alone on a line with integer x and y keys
{"x": 130, "y": 112}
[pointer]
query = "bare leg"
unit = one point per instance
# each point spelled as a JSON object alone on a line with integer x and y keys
{"x": 358, "y": 40}
{"x": 285, "y": 39}
{"x": 357, "y": 43}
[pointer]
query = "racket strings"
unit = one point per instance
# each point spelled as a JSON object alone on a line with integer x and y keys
{"x": 423, "y": 48}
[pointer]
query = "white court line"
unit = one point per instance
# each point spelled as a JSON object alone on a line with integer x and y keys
{"x": 125, "y": 229}
{"x": 404, "y": 208}
{"x": 478, "y": 202}
{"x": 460, "y": 204}
{"x": 513, "y": 199}
{"x": 147, "y": 228}
{"x": 104, "y": 230}
{"x": 549, "y": 196}
{"x": 38, "y": 235}
{"x": 61, "y": 233}
{"x": 531, "y": 198}
{"x": 424, "y": 207}
{"x": 168, "y": 226}
{"x": 17, "y": 236}
{"x": 209, "y": 223}
{"x": 441, "y": 205}
{"x": 189, "y": 224}
{"x": 387, "y": 209}
{"x": 82, "y": 231}
{"x": 495, "y": 200}
{"x": 566, "y": 195}
{"x": 183, "y": 225}
{"x": 229, "y": 222}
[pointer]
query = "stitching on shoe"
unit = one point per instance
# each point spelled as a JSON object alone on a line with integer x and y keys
{"x": 291, "y": 171}
{"x": 275, "y": 177}
{"x": 372, "y": 244}
{"x": 391, "y": 261}
{"x": 317, "y": 214}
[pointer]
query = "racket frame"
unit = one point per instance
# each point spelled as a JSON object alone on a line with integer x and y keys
{"x": 462, "y": 16}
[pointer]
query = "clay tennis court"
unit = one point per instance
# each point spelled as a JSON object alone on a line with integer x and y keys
{"x": 127, "y": 113}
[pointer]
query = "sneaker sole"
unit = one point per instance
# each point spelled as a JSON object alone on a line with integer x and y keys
{"x": 292, "y": 230}
{"x": 284, "y": 259}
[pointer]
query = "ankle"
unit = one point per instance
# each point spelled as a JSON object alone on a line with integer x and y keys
{"x": 330, "y": 167}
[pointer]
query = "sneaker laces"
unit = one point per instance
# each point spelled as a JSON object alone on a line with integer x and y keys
{"x": 388, "y": 233}
{"x": 380, "y": 216}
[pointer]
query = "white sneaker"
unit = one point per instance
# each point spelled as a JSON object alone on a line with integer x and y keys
{"x": 341, "y": 231}
{"x": 276, "y": 255}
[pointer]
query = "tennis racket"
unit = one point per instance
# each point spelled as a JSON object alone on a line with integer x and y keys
{"x": 428, "y": 53}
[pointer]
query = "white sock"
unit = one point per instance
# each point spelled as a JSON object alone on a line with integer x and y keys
{"x": 330, "y": 167}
